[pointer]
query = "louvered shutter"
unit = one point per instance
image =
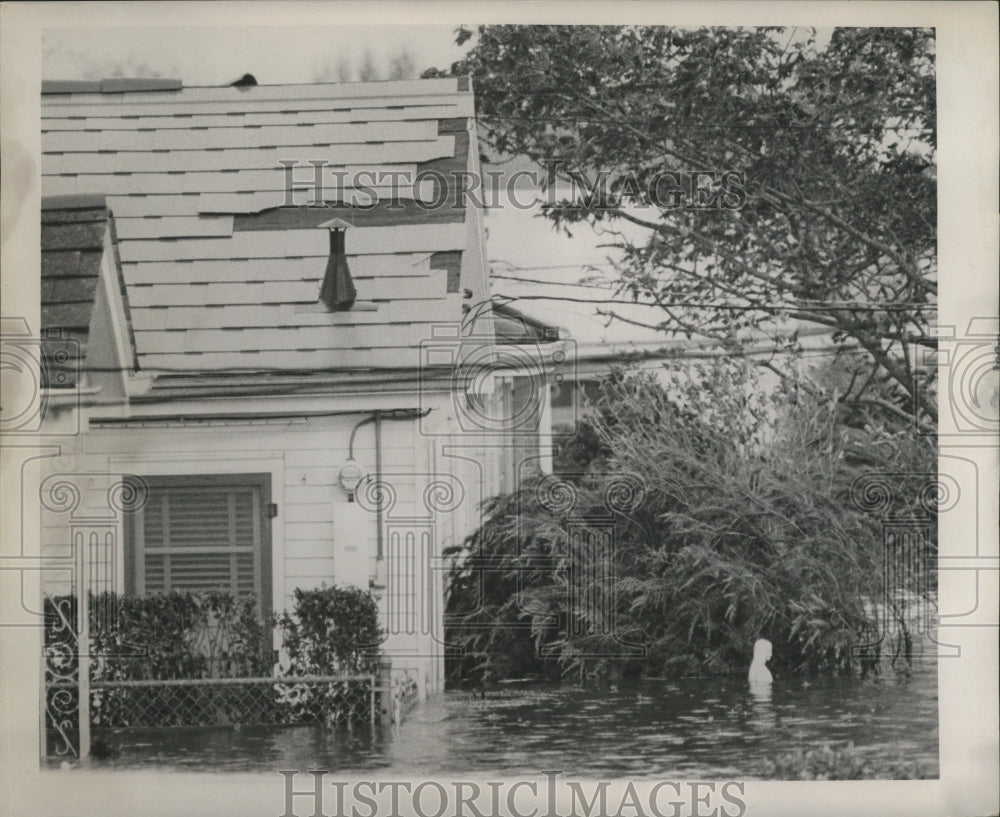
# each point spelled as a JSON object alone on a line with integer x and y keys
{"x": 200, "y": 537}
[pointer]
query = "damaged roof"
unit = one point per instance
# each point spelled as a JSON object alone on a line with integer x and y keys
{"x": 223, "y": 269}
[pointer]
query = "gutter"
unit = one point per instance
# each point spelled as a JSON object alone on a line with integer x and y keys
{"x": 169, "y": 392}
{"x": 72, "y": 397}
{"x": 394, "y": 414}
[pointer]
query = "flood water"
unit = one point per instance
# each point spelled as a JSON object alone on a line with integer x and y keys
{"x": 693, "y": 728}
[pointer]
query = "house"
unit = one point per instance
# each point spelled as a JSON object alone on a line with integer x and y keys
{"x": 599, "y": 330}
{"x": 269, "y": 359}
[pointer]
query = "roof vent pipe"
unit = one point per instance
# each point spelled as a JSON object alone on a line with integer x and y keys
{"x": 338, "y": 292}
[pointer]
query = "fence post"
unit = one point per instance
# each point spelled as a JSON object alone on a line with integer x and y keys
{"x": 43, "y": 722}
{"x": 83, "y": 643}
{"x": 385, "y": 687}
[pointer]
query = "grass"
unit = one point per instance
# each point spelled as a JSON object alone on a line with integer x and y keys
{"x": 845, "y": 763}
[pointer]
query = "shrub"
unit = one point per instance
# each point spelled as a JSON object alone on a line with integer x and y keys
{"x": 166, "y": 636}
{"x": 738, "y": 522}
{"x": 163, "y": 637}
{"x": 185, "y": 636}
{"x": 332, "y": 630}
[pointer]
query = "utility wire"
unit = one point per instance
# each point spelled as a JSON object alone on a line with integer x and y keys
{"x": 797, "y": 307}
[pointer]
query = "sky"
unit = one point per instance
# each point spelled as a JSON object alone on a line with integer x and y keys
{"x": 206, "y": 55}
{"x": 215, "y": 55}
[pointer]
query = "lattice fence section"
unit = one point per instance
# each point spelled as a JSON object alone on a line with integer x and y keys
{"x": 84, "y": 687}
{"x": 404, "y": 695}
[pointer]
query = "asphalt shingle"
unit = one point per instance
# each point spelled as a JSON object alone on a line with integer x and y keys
{"x": 198, "y": 178}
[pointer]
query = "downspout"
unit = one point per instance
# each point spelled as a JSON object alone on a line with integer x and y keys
{"x": 377, "y": 419}
{"x": 378, "y": 481}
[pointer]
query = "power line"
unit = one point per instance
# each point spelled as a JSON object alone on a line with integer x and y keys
{"x": 513, "y": 266}
{"x": 809, "y": 306}
{"x": 577, "y": 284}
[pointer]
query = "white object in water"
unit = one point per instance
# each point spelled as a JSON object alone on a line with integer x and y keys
{"x": 759, "y": 673}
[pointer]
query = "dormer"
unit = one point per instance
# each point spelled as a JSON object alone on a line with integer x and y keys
{"x": 87, "y": 341}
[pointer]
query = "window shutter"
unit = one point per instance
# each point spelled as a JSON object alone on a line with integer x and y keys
{"x": 200, "y": 538}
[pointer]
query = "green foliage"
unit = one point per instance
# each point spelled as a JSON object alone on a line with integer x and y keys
{"x": 844, "y": 763}
{"x": 488, "y": 620}
{"x": 168, "y": 636}
{"x": 233, "y": 636}
{"x": 837, "y": 143}
{"x": 153, "y": 638}
{"x": 733, "y": 519}
{"x": 331, "y": 630}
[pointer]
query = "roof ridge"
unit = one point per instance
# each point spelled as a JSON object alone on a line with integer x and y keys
{"x": 111, "y": 85}
{"x": 74, "y": 201}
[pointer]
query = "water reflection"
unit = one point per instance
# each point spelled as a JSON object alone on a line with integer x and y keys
{"x": 762, "y": 706}
{"x": 710, "y": 728}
